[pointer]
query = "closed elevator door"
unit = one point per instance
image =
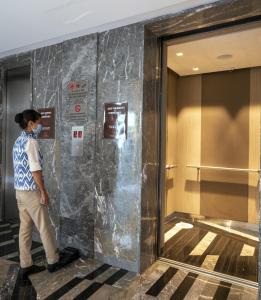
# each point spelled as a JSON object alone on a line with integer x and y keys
{"x": 18, "y": 98}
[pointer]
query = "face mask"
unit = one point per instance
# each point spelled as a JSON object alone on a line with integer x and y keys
{"x": 38, "y": 129}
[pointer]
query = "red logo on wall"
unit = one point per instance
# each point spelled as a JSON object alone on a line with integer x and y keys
{"x": 73, "y": 86}
{"x": 77, "y": 108}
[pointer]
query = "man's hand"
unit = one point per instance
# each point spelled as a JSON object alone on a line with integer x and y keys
{"x": 37, "y": 175}
{"x": 44, "y": 198}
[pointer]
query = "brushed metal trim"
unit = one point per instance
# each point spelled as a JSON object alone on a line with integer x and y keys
{"x": 213, "y": 274}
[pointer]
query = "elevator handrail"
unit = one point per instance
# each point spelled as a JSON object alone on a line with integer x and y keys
{"x": 223, "y": 168}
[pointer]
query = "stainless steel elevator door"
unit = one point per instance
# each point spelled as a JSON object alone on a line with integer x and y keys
{"x": 18, "y": 98}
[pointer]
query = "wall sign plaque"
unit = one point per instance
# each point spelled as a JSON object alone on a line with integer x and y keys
{"x": 76, "y": 112}
{"x": 115, "y": 120}
{"x": 75, "y": 95}
{"x": 48, "y": 123}
{"x": 76, "y": 90}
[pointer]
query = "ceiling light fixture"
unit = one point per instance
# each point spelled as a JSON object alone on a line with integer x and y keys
{"x": 225, "y": 56}
{"x": 195, "y": 68}
{"x": 179, "y": 54}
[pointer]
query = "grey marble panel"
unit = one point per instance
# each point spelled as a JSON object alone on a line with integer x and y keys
{"x": 150, "y": 153}
{"x": 118, "y": 173}
{"x": 47, "y": 92}
{"x": 215, "y": 13}
{"x": 77, "y": 185}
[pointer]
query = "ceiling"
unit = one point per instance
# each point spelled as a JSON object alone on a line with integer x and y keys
{"x": 229, "y": 51}
{"x": 29, "y": 24}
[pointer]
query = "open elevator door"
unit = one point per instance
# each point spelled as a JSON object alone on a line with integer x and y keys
{"x": 211, "y": 125}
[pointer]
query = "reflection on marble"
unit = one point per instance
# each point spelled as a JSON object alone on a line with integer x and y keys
{"x": 118, "y": 173}
{"x": 77, "y": 181}
{"x": 47, "y": 76}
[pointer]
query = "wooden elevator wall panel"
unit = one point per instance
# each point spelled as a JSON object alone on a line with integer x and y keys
{"x": 254, "y": 145}
{"x": 188, "y": 147}
{"x": 171, "y": 135}
{"x": 225, "y": 143}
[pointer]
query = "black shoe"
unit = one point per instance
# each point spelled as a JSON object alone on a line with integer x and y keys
{"x": 24, "y": 272}
{"x": 66, "y": 256}
{"x": 53, "y": 267}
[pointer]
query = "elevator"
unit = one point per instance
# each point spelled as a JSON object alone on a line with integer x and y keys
{"x": 18, "y": 98}
{"x": 211, "y": 151}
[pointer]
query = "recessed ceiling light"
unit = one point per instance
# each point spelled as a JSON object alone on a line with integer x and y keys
{"x": 179, "y": 54}
{"x": 195, "y": 68}
{"x": 225, "y": 56}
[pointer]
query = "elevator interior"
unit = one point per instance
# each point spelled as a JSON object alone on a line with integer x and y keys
{"x": 212, "y": 151}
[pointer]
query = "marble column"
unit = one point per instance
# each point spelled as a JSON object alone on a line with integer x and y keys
{"x": 77, "y": 173}
{"x": 118, "y": 172}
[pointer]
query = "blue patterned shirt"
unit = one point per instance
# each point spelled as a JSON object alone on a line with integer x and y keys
{"x": 27, "y": 158}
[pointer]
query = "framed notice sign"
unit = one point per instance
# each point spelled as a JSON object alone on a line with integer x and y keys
{"x": 48, "y": 123}
{"x": 115, "y": 120}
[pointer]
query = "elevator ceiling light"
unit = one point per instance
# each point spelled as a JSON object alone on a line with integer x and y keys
{"x": 225, "y": 56}
{"x": 195, "y": 68}
{"x": 184, "y": 225}
{"x": 179, "y": 54}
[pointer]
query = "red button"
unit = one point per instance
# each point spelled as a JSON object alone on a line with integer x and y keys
{"x": 78, "y": 108}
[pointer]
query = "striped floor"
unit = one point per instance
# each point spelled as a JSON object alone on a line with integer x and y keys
{"x": 90, "y": 279}
{"x": 162, "y": 281}
{"x": 9, "y": 246}
{"x": 212, "y": 248}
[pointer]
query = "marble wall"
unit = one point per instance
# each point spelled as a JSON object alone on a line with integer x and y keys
{"x": 118, "y": 176}
{"x": 77, "y": 181}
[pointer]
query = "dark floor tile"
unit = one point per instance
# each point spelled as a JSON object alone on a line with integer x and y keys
{"x": 115, "y": 277}
{"x": 159, "y": 285}
{"x": 222, "y": 291}
{"x": 94, "y": 287}
{"x": 184, "y": 287}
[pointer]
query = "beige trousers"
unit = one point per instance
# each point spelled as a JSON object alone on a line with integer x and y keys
{"x": 31, "y": 211}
